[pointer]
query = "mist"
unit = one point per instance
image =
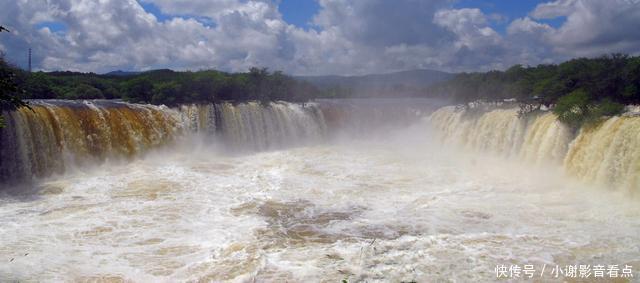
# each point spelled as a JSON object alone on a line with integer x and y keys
{"x": 327, "y": 190}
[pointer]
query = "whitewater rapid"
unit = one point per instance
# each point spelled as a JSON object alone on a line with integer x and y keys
{"x": 312, "y": 193}
{"x": 400, "y": 208}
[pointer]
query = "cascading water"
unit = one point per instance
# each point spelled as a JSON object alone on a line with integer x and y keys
{"x": 55, "y": 135}
{"x": 546, "y": 140}
{"x": 254, "y": 126}
{"x": 200, "y": 119}
{"x": 607, "y": 154}
{"x": 496, "y": 131}
{"x": 257, "y": 127}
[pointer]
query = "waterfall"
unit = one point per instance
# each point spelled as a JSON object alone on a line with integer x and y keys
{"x": 54, "y": 135}
{"x": 260, "y": 127}
{"x": 608, "y": 153}
{"x": 199, "y": 118}
{"x": 546, "y": 140}
{"x": 497, "y": 131}
{"x": 605, "y": 154}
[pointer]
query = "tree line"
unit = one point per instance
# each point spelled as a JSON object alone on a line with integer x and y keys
{"x": 580, "y": 90}
{"x": 166, "y": 86}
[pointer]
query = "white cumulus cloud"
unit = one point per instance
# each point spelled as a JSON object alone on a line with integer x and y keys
{"x": 348, "y": 36}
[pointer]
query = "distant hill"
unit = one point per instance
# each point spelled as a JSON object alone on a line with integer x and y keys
{"x": 120, "y": 73}
{"x": 405, "y": 83}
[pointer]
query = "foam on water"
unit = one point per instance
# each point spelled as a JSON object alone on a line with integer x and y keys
{"x": 401, "y": 209}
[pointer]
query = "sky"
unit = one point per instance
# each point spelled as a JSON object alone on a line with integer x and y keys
{"x": 314, "y": 37}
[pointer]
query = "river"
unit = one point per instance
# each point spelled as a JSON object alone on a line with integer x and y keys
{"x": 397, "y": 204}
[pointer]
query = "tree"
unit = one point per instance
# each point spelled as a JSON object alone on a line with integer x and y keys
{"x": 166, "y": 93}
{"x": 85, "y": 91}
{"x": 258, "y": 84}
{"x": 9, "y": 99}
{"x": 578, "y": 108}
{"x": 572, "y": 109}
{"x": 38, "y": 85}
{"x": 139, "y": 90}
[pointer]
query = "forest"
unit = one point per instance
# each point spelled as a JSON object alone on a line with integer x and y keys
{"x": 580, "y": 90}
{"x": 164, "y": 86}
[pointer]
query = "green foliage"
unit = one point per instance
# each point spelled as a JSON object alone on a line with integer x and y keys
{"x": 139, "y": 90}
{"x": 604, "y": 108}
{"x": 616, "y": 76}
{"x": 39, "y": 85}
{"x": 9, "y": 90}
{"x": 84, "y": 91}
{"x": 162, "y": 86}
{"x": 168, "y": 87}
{"x": 573, "y": 108}
{"x": 577, "y": 108}
{"x": 631, "y": 91}
{"x": 582, "y": 90}
{"x": 165, "y": 93}
{"x": 172, "y": 88}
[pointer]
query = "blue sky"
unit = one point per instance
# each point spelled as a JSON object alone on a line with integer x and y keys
{"x": 153, "y": 9}
{"x": 297, "y": 12}
{"x": 53, "y": 26}
{"x": 315, "y": 37}
{"x": 511, "y": 9}
{"x": 162, "y": 17}
{"x": 301, "y": 12}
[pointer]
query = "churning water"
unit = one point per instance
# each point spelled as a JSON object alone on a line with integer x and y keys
{"x": 392, "y": 205}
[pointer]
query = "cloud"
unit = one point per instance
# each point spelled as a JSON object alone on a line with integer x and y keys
{"x": 347, "y": 37}
{"x": 593, "y": 27}
{"x": 555, "y": 9}
{"x": 470, "y": 26}
{"x": 528, "y": 26}
{"x": 382, "y": 23}
{"x": 528, "y": 42}
{"x": 110, "y": 34}
{"x": 397, "y": 35}
{"x": 204, "y": 8}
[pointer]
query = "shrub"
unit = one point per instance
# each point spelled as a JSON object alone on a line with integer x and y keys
{"x": 85, "y": 91}
{"x": 572, "y": 109}
{"x": 603, "y": 109}
{"x": 576, "y": 109}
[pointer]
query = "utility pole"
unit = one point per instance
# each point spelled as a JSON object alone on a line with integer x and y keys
{"x": 29, "y": 60}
